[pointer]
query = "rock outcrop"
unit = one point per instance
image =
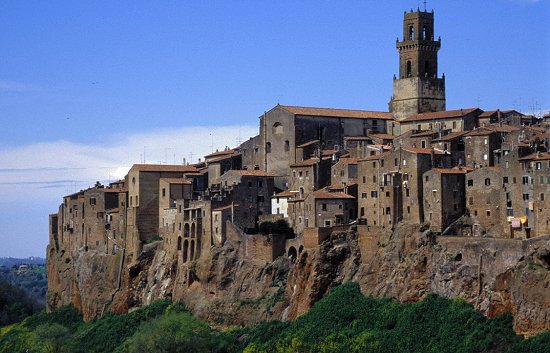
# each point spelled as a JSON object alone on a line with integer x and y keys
{"x": 227, "y": 288}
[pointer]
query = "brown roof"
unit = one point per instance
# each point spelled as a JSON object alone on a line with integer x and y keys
{"x": 502, "y": 127}
{"x": 114, "y": 190}
{"x": 222, "y": 158}
{"x": 324, "y": 194}
{"x": 177, "y": 180}
{"x": 298, "y": 199}
{"x": 113, "y": 210}
{"x": 537, "y": 156}
{"x": 446, "y": 114}
{"x": 423, "y": 150}
{"x": 163, "y": 168}
{"x": 488, "y": 113}
{"x": 451, "y": 170}
{"x": 328, "y": 152}
{"x": 221, "y": 153}
{"x": 357, "y": 138}
{"x": 350, "y": 160}
{"x": 234, "y": 204}
{"x": 481, "y": 132}
{"x": 305, "y": 163}
{"x": 337, "y": 113}
{"x": 257, "y": 173}
{"x": 383, "y": 136}
{"x": 286, "y": 193}
{"x": 376, "y": 157}
{"x": 451, "y": 136}
{"x": 425, "y": 133}
{"x": 312, "y": 142}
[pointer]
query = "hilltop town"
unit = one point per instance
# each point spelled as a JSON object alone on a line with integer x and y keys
{"x": 435, "y": 200}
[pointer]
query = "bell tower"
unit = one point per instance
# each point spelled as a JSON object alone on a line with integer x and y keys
{"x": 418, "y": 88}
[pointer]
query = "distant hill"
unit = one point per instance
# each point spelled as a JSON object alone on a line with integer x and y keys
{"x": 12, "y": 261}
{"x": 32, "y": 278}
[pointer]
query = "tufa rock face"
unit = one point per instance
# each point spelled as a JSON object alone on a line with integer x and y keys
{"x": 226, "y": 288}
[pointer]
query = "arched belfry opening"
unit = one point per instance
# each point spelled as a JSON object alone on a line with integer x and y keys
{"x": 409, "y": 68}
{"x": 425, "y": 33}
{"x": 411, "y": 32}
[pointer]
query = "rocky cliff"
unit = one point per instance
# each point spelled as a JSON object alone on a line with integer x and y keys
{"x": 226, "y": 287}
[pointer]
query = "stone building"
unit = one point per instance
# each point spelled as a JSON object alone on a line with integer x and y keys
{"x": 479, "y": 147}
{"x": 344, "y": 171}
{"x": 418, "y": 89}
{"x": 328, "y": 209}
{"x": 279, "y": 202}
{"x": 309, "y": 175}
{"x": 390, "y": 187}
{"x": 484, "y": 201}
{"x": 453, "y": 120}
{"x": 143, "y": 199}
{"x": 283, "y": 128}
{"x": 172, "y": 189}
{"x": 444, "y": 196}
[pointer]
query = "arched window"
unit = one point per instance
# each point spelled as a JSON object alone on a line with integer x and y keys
{"x": 179, "y": 243}
{"x": 411, "y": 32}
{"x": 292, "y": 254}
{"x": 192, "y": 250}
{"x": 268, "y": 147}
{"x": 425, "y": 33}
{"x": 185, "y": 248}
{"x": 427, "y": 68}
{"x": 193, "y": 230}
{"x": 287, "y": 146}
{"x": 277, "y": 128}
{"x": 409, "y": 68}
{"x": 186, "y": 230}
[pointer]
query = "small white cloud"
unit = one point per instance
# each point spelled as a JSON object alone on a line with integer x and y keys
{"x": 46, "y": 170}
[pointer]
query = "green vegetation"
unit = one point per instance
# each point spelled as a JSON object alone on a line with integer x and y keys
{"x": 15, "y": 304}
{"x": 279, "y": 227}
{"x": 343, "y": 321}
{"x": 32, "y": 279}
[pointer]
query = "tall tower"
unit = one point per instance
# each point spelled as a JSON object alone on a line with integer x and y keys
{"x": 417, "y": 89}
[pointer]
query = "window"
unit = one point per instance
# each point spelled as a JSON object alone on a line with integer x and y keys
{"x": 485, "y": 156}
{"x": 409, "y": 68}
{"x": 526, "y": 197}
{"x": 300, "y": 174}
{"x": 510, "y": 212}
{"x": 471, "y": 200}
{"x": 92, "y": 201}
{"x": 387, "y": 194}
{"x": 374, "y": 194}
{"x": 538, "y": 166}
{"x": 423, "y": 144}
{"x": 364, "y": 179}
{"x": 287, "y": 146}
{"x": 260, "y": 184}
{"x": 249, "y": 184}
{"x": 488, "y": 213}
{"x": 427, "y": 178}
{"x": 374, "y": 178}
{"x": 541, "y": 179}
{"x": 487, "y": 182}
{"x": 407, "y": 192}
{"x": 454, "y": 124}
{"x": 328, "y": 222}
{"x": 505, "y": 180}
{"x": 470, "y": 182}
{"x": 277, "y": 128}
{"x": 404, "y": 162}
{"x": 362, "y": 211}
{"x": 395, "y": 162}
{"x": 485, "y": 141}
{"x": 525, "y": 180}
{"x": 364, "y": 195}
{"x": 542, "y": 197}
{"x": 324, "y": 207}
{"x": 268, "y": 147}
{"x": 411, "y": 32}
{"x": 409, "y": 209}
{"x": 163, "y": 192}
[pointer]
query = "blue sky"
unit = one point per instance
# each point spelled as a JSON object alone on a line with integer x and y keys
{"x": 88, "y": 88}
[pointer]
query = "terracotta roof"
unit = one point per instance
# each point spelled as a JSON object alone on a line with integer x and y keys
{"x": 488, "y": 113}
{"x": 537, "y": 156}
{"x": 163, "y": 168}
{"x": 177, "y": 180}
{"x": 113, "y": 190}
{"x": 221, "y": 153}
{"x": 312, "y": 142}
{"x": 535, "y": 128}
{"x": 286, "y": 193}
{"x": 425, "y": 133}
{"x": 223, "y": 158}
{"x": 350, "y": 160}
{"x": 257, "y": 173}
{"x": 328, "y": 152}
{"x": 451, "y": 136}
{"x": 357, "y": 138}
{"x": 337, "y": 113}
{"x": 446, "y": 114}
{"x": 502, "y": 128}
{"x": 324, "y": 194}
{"x": 113, "y": 210}
{"x": 376, "y": 157}
{"x": 423, "y": 150}
{"x": 305, "y": 163}
{"x": 451, "y": 170}
{"x": 481, "y": 132}
{"x": 383, "y": 136}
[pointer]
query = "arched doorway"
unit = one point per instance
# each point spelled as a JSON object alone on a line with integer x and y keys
{"x": 185, "y": 247}
{"x": 292, "y": 254}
